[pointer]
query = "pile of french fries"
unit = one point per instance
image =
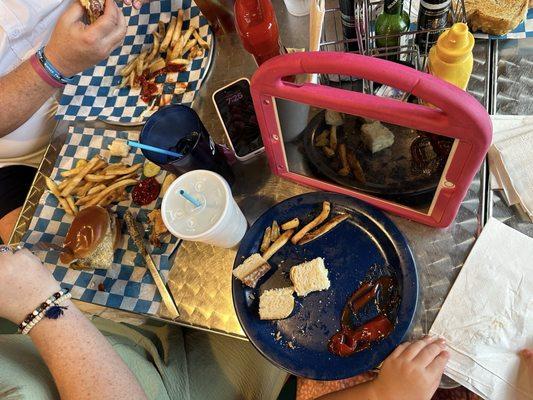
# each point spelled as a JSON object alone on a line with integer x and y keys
{"x": 329, "y": 142}
{"x": 170, "y": 46}
{"x": 93, "y": 182}
{"x": 274, "y": 240}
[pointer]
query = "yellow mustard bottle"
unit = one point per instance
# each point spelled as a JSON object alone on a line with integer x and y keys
{"x": 451, "y": 57}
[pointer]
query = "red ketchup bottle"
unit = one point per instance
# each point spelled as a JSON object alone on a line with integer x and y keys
{"x": 258, "y": 28}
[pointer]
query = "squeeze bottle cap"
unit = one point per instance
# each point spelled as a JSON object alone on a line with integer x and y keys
{"x": 455, "y": 44}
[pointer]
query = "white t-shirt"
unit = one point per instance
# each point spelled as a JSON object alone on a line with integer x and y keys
{"x": 25, "y": 25}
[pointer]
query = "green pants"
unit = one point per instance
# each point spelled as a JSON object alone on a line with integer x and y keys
{"x": 169, "y": 362}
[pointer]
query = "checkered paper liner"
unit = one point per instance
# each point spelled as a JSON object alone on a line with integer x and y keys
{"x": 522, "y": 31}
{"x": 95, "y": 92}
{"x": 128, "y": 285}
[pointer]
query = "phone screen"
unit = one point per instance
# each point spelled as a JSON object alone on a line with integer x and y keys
{"x": 236, "y": 108}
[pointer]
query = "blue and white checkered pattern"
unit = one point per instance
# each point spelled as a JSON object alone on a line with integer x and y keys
{"x": 95, "y": 94}
{"x": 127, "y": 285}
{"x": 523, "y": 30}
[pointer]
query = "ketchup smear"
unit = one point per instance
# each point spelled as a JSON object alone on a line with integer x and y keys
{"x": 146, "y": 191}
{"x": 149, "y": 88}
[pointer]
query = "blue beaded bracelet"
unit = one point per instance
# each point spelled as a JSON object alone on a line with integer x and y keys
{"x": 51, "y": 70}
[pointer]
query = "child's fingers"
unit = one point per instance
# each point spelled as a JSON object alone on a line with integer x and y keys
{"x": 400, "y": 349}
{"x": 438, "y": 364}
{"x": 428, "y": 353}
{"x": 527, "y": 355}
{"x": 415, "y": 348}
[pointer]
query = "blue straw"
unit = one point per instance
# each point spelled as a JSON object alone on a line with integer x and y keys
{"x": 187, "y": 196}
{"x": 154, "y": 149}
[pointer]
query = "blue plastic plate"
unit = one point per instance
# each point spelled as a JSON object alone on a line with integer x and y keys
{"x": 366, "y": 240}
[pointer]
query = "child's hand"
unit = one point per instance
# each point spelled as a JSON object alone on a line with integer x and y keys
{"x": 412, "y": 371}
{"x": 527, "y": 356}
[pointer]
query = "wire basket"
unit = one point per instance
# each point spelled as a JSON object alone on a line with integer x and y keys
{"x": 406, "y": 50}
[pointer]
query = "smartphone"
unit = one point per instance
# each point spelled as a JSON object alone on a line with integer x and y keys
{"x": 235, "y": 109}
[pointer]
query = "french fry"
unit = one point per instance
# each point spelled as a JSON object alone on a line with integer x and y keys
{"x": 196, "y": 51}
{"x": 85, "y": 199}
{"x": 63, "y": 184}
{"x": 357, "y": 170}
{"x": 113, "y": 167}
{"x": 265, "y": 244}
{"x": 292, "y": 224}
{"x": 106, "y": 191}
{"x": 83, "y": 190}
{"x": 326, "y": 207}
{"x": 133, "y": 175}
{"x": 155, "y": 50}
{"x": 81, "y": 163}
{"x": 98, "y": 178}
{"x": 177, "y": 30}
{"x": 169, "y": 178}
{"x": 55, "y": 191}
{"x": 201, "y": 41}
{"x": 274, "y": 232}
{"x": 129, "y": 67}
{"x": 345, "y": 170}
{"x": 124, "y": 171}
{"x": 79, "y": 176}
{"x": 107, "y": 200}
{"x": 328, "y": 151}
{"x": 322, "y": 139}
{"x": 168, "y": 36}
{"x": 139, "y": 67}
{"x": 322, "y": 230}
{"x": 179, "y": 61}
{"x": 333, "y": 138}
{"x": 156, "y": 65}
{"x": 96, "y": 189}
{"x": 165, "y": 100}
{"x": 73, "y": 171}
{"x": 99, "y": 165}
{"x": 278, "y": 244}
{"x": 190, "y": 44}
{"x": 131, "y": 81}
{"x": 70, "y": 201}
{"x": 161, "y": 29}
{"x": 176, "y": 51}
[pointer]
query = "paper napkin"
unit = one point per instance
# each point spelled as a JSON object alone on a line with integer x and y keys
{"x": 487, "y": 317}
{"x": 511, "y": 160}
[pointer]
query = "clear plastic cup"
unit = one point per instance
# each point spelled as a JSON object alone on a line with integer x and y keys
{"x": 298, "y": 8}
{"x": 218, "y": 221}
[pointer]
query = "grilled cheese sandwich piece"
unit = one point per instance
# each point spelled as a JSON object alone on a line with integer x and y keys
{"x": 276, "y": 303}
{"x": 251, "y": 270}
{"x": 311, "y": 276}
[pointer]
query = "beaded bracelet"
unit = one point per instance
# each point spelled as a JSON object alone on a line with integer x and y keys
{"x": 50, "y": 309}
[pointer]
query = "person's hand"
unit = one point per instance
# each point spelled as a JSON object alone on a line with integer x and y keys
{"x": 527, "y": 356}
{"x": 75, "y": 46}
{"x": 412, "y": 371}
{"x": 24, "y": 284}
{"x": 135, "y": 3}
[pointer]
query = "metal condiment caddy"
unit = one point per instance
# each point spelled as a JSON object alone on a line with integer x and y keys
{"x": 406, "y": 52}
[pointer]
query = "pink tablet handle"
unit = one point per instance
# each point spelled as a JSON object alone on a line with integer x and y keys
{"x": 457, "y": 115}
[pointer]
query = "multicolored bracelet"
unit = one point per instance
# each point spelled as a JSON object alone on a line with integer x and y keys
{"x": 50, "y": 309}
{"x": 47, "y": 71}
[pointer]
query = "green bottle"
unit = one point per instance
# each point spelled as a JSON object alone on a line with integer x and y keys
{"x": 392, "y": 21}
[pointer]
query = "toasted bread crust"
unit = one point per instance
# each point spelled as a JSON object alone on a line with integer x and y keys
{"x": 495, "y": 18}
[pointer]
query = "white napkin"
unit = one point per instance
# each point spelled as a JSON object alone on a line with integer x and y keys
{"x": 511, "y": 158}
{"x": 488, "y": 315}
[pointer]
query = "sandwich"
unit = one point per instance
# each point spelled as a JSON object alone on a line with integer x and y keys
{"x": 311, "y": 276}
{"x": 276, "y": 303}
{"x": 92, "y": 239}
{"x": 495, "y": 17}
{"x": 94, "y": 8}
